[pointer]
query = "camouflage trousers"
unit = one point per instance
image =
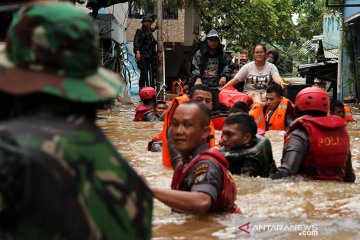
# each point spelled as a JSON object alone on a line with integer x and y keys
{"x": 148, "y": 68}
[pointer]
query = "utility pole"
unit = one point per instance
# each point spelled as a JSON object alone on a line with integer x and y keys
{"x": 339, "y": 82}
{"x": 160, "y": 53}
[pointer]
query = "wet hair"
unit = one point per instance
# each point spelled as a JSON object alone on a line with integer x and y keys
{"x": 245, "y": 122}
{"x": 150, "y": 100}
{"x": 205, "y": 112}
{"x": 201, "y": 87}
{"x": 160, "y": 102}
{"x": 239, "y": 107}
{"x": 274, "y": 88}
{"x": 334, "y": 104}
{"x": 314, "y": 113}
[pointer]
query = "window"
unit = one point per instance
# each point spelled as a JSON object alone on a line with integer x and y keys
{"x": 139, "y": 10}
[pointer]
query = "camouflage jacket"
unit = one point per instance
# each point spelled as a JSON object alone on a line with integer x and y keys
{"x": 144, "y": 42}
{"x": 61, "y": 178}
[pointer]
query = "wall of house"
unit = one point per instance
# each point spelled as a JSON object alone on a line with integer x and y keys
{"x": 351, "y": 51}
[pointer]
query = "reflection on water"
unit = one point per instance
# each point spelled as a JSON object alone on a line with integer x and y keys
{"x": 282, "y": 209}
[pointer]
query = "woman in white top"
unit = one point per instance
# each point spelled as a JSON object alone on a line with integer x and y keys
{"x": 257, "y": 75}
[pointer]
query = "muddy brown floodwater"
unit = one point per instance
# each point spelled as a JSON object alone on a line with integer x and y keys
{"x": 282, "y": 209}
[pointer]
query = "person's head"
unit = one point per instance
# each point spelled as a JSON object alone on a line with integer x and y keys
{"x": 260, "y": 53}
{"x": 234, "y": 67}
{"x": 312, "y": 101}
{"x": 148, "y": 95}
{"x": 147, "y": 20}
{"x": 238, "y": 129}
{"x": 337, "y": 108}
{"x": 52, "y": 49}
{"x": 274, "y": 95}
{"x": 202, "y": 93}
{"x": 239, "y": 107}
{"x": 160, "y": 106}
{"x": 243, "y": 58}
{"x": 190, "y": 126}
{"x": 212, "y": 39}
{"x": 272, "y": 56}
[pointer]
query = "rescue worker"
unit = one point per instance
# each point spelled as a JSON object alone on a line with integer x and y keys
{"x": 279, "y": 111}
{"x": 145, "y": 52}
{"x": 316, "y": 145}
{"x": 201, "y": 182}
{"x": 146, "y": 111}
{"x": 337, "y": 108}
{"x": 201, "y": 93}
{"x": 60, "y": 176}
{"x": 247, "y": 153}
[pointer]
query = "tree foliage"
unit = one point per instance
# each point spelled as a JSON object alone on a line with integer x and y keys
{"x": 310, "y": 18}
{"x": 247, "y": 22}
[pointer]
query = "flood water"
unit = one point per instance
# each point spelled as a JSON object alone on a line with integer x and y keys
{"x": 282, "y": 209}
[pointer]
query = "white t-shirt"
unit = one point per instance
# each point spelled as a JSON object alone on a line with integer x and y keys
{"x": 256, "y": 80}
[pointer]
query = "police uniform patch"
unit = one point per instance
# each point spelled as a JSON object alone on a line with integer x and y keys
{"x": 199, "y": 179}
{"x": 203, "y": 168}
{"x": 200, "y": 173}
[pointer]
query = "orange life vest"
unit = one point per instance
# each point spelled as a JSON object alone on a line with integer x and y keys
{"x": 348, "y": 115}
{"x": 166, "y": 159}
{"x": 277, "y": 119}
{"x": 176, "y": 88}
{"x": 226, "y": 200}
{"x": 257, "y": 112}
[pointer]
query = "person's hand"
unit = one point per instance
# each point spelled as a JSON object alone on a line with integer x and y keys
{"x": 222, "y": 81}
{"x": 198, "y": 81}
{"x": 283, "y": 84}
{"x": 138, "y": 56}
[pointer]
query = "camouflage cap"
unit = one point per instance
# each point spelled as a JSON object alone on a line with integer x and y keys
{"x": 53, "y": 48}
{"x": 148, "y": 17}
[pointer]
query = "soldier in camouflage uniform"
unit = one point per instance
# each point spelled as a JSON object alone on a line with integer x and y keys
{"x": 60, "y": 178}
{"x": 145, "y": 53}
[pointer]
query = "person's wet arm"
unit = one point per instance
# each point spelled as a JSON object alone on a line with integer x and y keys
{"x": 207, "y": 177}
{"x": 193, "y": 202}
{"x": 349, "y": 171}
{"x": 293, "y": 154}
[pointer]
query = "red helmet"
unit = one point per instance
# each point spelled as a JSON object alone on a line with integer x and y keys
{"x": 147, "y": 93}
{"x": 312, "y": 98}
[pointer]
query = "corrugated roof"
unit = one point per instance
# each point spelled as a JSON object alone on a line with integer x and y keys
{"x": 331, "y": 53}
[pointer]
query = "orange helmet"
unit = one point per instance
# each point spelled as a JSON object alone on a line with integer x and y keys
{"x": 147, "y": 93}
{"x": 312, "y": 98}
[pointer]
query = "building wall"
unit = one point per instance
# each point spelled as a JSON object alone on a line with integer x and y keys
{"x": 351, "y": 51}
{"x": 173, "y": 30}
